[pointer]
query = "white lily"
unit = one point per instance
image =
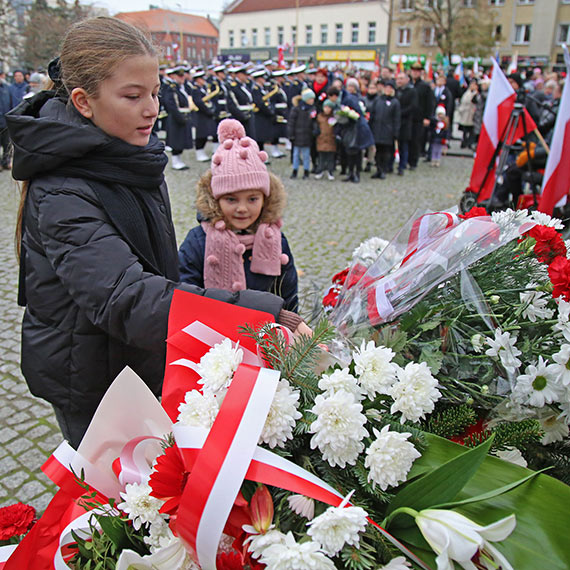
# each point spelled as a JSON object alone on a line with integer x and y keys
{"x": 171, "y": 557}
{"x": 455, "y": 538}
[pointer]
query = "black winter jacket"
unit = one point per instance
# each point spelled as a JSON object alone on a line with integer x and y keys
{"x": 385, "y": 119}
{"x": 301, "y": 124}
{"x": 408, "y": 98}
{"x": 98, "y": 286}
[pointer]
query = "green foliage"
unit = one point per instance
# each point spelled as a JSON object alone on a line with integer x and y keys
{"x": 450, "y": 421}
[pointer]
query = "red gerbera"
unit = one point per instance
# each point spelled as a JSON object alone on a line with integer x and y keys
{"x": 474, "y": 212}
{"x": 559, "y": 273}
{"x": 169, "y": 479}
{"x": 549, "y": 243}
{"x": 16, "y": 520}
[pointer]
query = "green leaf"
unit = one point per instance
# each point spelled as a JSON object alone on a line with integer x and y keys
{"x": 442, "y": 484}
{"x": 433, "y": 358}
{"x": 114, "y": 529}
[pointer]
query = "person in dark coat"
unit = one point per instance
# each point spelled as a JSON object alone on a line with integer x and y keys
{"x": 281, "y": 106}
{"x": 5, "y": 106}
{"x": 19, "y": 88}
{"x": 408, "y": 98}
{"x": 421, "y": 122}
{"x": 301, "y": 128}
{"x": 240, "y": 103}
{"x": 177, "y": 103}
{"x": 238, "y": 243}
{"x": 326, "y": 140}
{"x": 203, "y": 116}
{"x": 263, "y": 110}
{"x": 456, "y": 91}
{"x": 385, "y": 126}
{"x": 98, "y": 260}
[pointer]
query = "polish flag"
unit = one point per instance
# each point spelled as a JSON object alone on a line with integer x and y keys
{"x": 498, "y": 109}
{"x": 429, "y": 69}
{"x": 556, "y": 181}
{"x": 513, "y": 66}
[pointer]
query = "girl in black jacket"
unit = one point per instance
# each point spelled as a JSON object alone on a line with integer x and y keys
{"x": 97, "y": 245}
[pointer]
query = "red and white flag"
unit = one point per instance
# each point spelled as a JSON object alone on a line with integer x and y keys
{"x": 513, "y": 66}
{"x": 556, "y": 180}
{"x": 498, "y": 109}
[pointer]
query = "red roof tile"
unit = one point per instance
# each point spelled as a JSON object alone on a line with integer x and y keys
{"x": 239, "y": 6}
{"x": 160, "y": 20}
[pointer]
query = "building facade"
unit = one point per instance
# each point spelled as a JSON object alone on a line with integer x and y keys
{"x": 323, "y": 32}
{"x": 534, "y": 30}
{"x": 180, "y": 37}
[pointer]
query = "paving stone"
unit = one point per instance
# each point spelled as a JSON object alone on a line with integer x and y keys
{"x": 18, "y": 445}
{"x": 30, "y": 490}
{"x": 6, "y": 434}
{"x": 14, "y": 480}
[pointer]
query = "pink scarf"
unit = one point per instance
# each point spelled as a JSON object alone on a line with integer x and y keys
{"x": 223, "y": 257}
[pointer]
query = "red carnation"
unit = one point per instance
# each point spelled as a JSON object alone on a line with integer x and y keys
{"x": 474, "y": 212}
{"x": 559, "y": 273}
{"x": 331, "y": 298}
{"x": 549, "y": 243}
{"x": 16, "y": 520}
{"x": 340, "y": 277}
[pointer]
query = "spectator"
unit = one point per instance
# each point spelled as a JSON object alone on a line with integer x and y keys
{"x": 439, "y": 131}
{"x": 5, "y": 106}
{"x": 466, "y": 112}
{"x": 423, "y": 116}
{"x": 301, "y": 126}
{"x": 326, "y": 140}
{"x": 19, "y": 88}
{"x": 408, "y": 98}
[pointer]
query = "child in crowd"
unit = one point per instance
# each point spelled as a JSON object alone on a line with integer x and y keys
{"x": 301, "y": 127}
{"x": 326, "y": 140}
{"x": 239, "y": 243}
{"x": 439, "y": 129}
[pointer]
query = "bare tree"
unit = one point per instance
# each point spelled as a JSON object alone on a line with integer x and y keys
{"x": 460, "y": 26}
{"x": 10, "y": 39}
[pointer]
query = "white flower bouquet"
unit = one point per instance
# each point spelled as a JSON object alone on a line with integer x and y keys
{"x": 260, "y": 461}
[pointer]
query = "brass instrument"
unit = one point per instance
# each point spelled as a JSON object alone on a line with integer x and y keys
{"x": 211, "y": 94}
{"x": 266, "y": 97}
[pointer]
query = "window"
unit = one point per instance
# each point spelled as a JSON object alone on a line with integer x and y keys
{"x": 563, "y": 34}
{"x": 354, "y": 33}
{"x": 231, "y": 38}
{"x": 429, "y": 3}
{"x": 338, "y": 33}
{"x": 267, "y": 34}
{"x": 371, "y": 32}
{"x": 522, "y": 34}
{"x": 525, "y": 2}
{"x": 496, "y": 2}
{"x": 469, "y": 3}
{"x": 324, "y": 33}
{"x": 293, "y": 35}
{"x": 188, "y": 52}
{"x": 429, "y": 36}
{"x": 498, "y": 32}
{"x": 309, "y": 35}
{"x": 404, "y": 36}
{"x": 280, "y": 36}
{"x": 254, "y": 37}
{"x": 243, "y": 38}
{"x": 406, "y": 5}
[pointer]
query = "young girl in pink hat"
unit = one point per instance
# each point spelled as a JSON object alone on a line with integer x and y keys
{"x": 238, "y": 244}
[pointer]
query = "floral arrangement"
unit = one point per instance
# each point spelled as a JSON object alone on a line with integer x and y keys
{"x": 346, "y": 114}
{"x": 495, "y": 335}
{"x": 15, "y": 521}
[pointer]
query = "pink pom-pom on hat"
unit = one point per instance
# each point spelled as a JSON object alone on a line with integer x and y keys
{"x": 240, "y": 165}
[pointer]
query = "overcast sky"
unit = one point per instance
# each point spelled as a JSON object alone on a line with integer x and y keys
{"x": 199, "y": 7}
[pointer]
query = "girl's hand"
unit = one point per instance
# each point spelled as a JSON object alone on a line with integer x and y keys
{"x": 303, "y": 329}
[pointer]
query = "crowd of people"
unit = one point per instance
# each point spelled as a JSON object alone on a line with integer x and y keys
{"x": 358, "y": 121}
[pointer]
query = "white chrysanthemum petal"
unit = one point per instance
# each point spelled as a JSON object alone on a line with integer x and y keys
{"x": 259, "y": 542}
{"x": 538, "y": 386}
{"x": 291, "y": 555}
{"x": 218, "y": 365}
{"x": 561, "y": 365}
{"x": 340, "y": 380}
{"x": 336, "y": 527}
{"x": 512, "y": 455}
{"x": 504, "y": 347}
{"x": 282, "y": 416}
{"x": 389, "y": 458}
{"x": 398, "y": 563}
{"x": 373, "y": 365}
{"x": 555, "y": 429}
{"x": 339, "y": 428}
{"x": 543, "y": 219}
{"x": 415, "y": 392}
{"x": 368, "y": 251}
{"x": 536, "y": 304}
{"x": 138, "y": 505}
{"x": 301, "y": 505}
{"x": 198, "y": 409}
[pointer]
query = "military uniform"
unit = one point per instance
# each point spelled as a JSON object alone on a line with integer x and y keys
{"x": 263, "y": 111}
{"x": 204, "y": 116}
{"x": 240, "y": 105}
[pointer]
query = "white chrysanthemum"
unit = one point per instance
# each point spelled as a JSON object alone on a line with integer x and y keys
{"x": 398, "y": 563}
{"x": 368, "y": 251}
{"x": 510, "y": 219}
{"x": 218, "y": 365}
{"x": 340, "y": 380}
{"x": 536, "y": 304}
{"x": 555, "y": 429}
{"x": 301, "y": 505}
{"x": 373, "y": 365}
{"x": 282, "y": 416}
{"x": 389, "y": 458}
{"x": 159, "y": 535}
{"x": 477, "y": 342}
{"x": 339, "y": 428}
{"x": 198, "y": 409}
{"x": 259, "y": 542}
{"x": 503, "y": 347}
{"x": 512, "y": 455}
{"x": 561, "y": 365}
{"x": 415, "y": 392}
{"x": 291, "y": 555}
{"x": 538, "y": 386}
{"x": 336, "y": 527}
{"x": 563, "y": 324}
{"x": 543, "y": 219}
{"x": 139, "y": 506}
{"x": 564, "y": 405}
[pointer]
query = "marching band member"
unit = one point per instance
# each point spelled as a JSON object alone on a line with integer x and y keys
{"x": 263, "y": 110}
{"x": 241, "y": 101}
{"x": 204, "y": 114}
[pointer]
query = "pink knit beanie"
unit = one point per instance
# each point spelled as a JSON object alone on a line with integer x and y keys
{"x": 238, "y": 164}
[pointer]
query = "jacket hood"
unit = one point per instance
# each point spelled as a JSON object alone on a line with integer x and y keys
{"x": 209, "y": 208}
{"x": 50, "y": 135}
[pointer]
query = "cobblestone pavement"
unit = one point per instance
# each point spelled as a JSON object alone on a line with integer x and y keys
{"x": 325, "y": 220}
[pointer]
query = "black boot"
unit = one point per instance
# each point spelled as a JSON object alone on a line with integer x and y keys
{"x": 356, "y": 177}
{"x": 350, "y": 176}
{"x": 367, "y": 167}
{"x": 305, "y": 175}
{"x": 293, "y": 174}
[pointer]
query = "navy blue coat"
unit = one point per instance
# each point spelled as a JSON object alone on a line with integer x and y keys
{"x": 204, "y": 116}
{"x": 178, "y": 124}
{"x": 18, "y": 90}
{"x": 191, "y": 265}
{"x": 5, "y": 103}
{"x": 364, "y": 137}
